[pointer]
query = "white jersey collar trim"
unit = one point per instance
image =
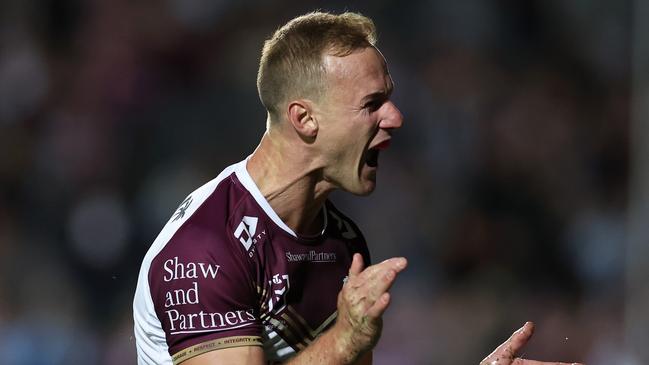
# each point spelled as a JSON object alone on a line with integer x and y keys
{"x": 246, "y": 180}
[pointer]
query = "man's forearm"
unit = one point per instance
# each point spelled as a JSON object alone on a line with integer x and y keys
{"x": 330, "y": 349}
{"x": 361, "y": 303}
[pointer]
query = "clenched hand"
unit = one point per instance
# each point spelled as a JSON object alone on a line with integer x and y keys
{"x": 362, "y": 302}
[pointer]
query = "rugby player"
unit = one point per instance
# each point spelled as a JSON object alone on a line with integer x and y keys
{"x": 257, "y": 266}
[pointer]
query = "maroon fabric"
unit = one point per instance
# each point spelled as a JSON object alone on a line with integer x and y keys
{"x": 213, "y": 280}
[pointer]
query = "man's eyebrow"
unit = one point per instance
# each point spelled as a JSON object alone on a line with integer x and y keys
{"x": 374, "y": 95}
{"x": 381, "y": 94}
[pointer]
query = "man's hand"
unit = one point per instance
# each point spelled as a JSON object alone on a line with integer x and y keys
{"x": 505, "y": 354}
{"x": 361, "y": 304}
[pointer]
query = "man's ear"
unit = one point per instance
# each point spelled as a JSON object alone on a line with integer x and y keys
{"x": 300, "y": 115}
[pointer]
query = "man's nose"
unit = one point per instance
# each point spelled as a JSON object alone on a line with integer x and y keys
{"x": 393, "y": 118}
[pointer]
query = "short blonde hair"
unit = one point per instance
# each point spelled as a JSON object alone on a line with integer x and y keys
{"x": 291, "y": 64}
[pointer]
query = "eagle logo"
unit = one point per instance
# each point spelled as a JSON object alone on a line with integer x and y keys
{"x": 182, "y": 208}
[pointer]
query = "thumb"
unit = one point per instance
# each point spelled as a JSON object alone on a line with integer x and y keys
{"x": 357, "y": 265}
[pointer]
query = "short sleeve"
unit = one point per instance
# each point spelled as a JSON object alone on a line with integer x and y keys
{"x": 204, "y": 293}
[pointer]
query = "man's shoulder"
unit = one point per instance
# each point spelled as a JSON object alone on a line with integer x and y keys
{"x": 201, "y": 224}
{"x": 196, "y": 284}
{"x": 341, "y": 225}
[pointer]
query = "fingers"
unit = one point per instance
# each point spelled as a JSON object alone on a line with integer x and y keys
{"x": 516, "y": 341}
{"x": 506, "y": 353}
{"x": 379, "y": 278}
{"x": 364, "y": 298}
{"x": 519, "y": 338}
{"x": 508, "y": 349}
{"x": 396, "y": 263}
{"x": 387, "y": 269}
{"x": 365, "y": 292}
{"x": 379, "y": 307}
{"x": 369, "y": 286}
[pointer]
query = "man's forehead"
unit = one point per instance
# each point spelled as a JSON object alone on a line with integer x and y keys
{"x": 363, "y": 62}
{"x": 358, "y": 68}
{"x": 382, "y": 58}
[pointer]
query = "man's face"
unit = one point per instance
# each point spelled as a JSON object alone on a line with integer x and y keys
{"x": 356, "y": 119}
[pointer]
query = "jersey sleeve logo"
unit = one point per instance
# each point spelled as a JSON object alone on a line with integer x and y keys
{"x": 182, "y": 208}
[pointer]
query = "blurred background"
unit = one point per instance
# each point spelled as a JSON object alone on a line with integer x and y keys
{"x": 508, "y": 188}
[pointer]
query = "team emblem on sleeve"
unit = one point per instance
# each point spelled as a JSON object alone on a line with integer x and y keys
{"x": 182, "y": 208}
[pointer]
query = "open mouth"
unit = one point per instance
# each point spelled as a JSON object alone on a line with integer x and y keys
{"x": 372, "y": 156}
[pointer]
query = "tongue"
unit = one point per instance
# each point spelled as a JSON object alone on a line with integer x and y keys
{"x": 383, "y": 145}
{"x": 372, "y": 158}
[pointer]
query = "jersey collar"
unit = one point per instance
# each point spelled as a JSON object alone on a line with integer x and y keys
{"x": 246, "y": 180}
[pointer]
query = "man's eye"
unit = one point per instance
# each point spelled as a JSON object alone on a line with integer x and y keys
{"x": 373, "y": 105}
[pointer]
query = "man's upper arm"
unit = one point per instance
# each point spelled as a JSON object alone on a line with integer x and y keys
{"x": 204, "y": 296}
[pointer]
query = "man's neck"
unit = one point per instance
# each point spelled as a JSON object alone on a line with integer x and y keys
{"x": 292, "y": 185}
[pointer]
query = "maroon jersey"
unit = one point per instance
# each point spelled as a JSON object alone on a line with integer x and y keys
{"x": 226, "y": 271}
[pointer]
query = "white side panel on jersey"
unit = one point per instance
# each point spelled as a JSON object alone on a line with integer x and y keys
{"x": 150, "y": 339}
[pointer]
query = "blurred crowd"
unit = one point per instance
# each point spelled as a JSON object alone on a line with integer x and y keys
{"x": 506, "y": 188}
